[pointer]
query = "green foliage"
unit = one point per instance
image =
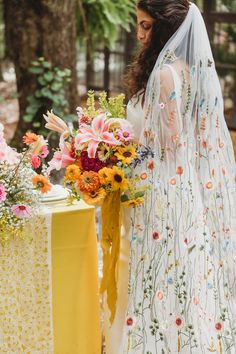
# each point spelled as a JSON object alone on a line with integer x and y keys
{"x": 99, "y": 20}
{"x": 50, "y": 94}
{"x": 114, "y": 105}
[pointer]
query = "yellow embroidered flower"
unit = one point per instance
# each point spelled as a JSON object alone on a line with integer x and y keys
{"x": 126, "y": 154}
{"x": 133, "y": 202}
{"x": 72, "y": 173}
{"x": 104, "y": 174}
{"x": 117, "y": 179}
{"x": 95, "y": 197}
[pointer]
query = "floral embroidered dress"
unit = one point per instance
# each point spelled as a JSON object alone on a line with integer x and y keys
{"x": 182, "y": 265}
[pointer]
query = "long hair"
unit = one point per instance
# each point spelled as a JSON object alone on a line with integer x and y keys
{"x": 168, "y": 15}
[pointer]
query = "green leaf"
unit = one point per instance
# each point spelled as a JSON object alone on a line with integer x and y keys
{"x": 124, "y": 198}
{"x": 36, "y": 70}
{"x": 48, "y": 76}
{"x": 56, "y": 86}
{"x": 28, "y": 118}
{"x": 36, "y": 124}
{"x": 139, "y": 194}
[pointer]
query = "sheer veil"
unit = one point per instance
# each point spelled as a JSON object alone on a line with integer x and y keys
{"x": 185, "y": 125}
{"x": 188, "y": 220}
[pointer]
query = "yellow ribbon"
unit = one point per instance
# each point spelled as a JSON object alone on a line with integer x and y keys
{"x": 110, "y": 243}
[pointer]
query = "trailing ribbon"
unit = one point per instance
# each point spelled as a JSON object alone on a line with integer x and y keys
{"x": 110, "y": 243}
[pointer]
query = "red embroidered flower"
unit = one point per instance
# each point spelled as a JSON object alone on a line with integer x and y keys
{"x": 129, "y": 321}
{"x": 151, "y": 165}
{"x": 179, "y": 170}
{"x": 218, "y": 326}
{"x": 155, "y": 235}
{"x": 178, "y": 321}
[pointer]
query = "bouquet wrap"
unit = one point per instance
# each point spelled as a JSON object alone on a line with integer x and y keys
{"x": 110, "y": 243}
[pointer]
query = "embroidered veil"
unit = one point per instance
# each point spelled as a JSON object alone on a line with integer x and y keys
{"x": 182, "y": 287}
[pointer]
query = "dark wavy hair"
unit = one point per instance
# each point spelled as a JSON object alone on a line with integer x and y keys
{"x": 168, "y": 16}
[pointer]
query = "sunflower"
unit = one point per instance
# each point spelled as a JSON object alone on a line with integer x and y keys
{"x": 72, "y": 173}
{"x": 89, "y": 181}
{"x": 104, "y": 174}
{"x": 42, "y": 183}
{"x": 95, "y": 197}
{"x": 117, "y": 179}
{"x": 133, "y": 202}
{"x": 126, "y": 154}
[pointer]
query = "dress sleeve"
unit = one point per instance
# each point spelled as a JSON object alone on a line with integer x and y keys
{"x": 171, "y": 126}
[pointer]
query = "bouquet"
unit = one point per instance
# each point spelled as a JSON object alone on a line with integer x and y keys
{"x": 99, "y": 160}
{"x": 19, "y": 184}
{"x": 99, "y": 157}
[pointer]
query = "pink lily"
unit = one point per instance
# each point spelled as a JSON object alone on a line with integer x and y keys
{"x": 95, "y": 134}
{"x": 61, "y": 158}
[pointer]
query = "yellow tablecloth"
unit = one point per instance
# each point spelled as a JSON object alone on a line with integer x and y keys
{"x": 76, "y": 315}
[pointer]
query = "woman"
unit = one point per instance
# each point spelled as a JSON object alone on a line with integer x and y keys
{"x": 182, "y": 261}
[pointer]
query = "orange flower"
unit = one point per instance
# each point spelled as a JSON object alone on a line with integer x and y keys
{"x": 42, "y": 183}
{"x": 72, "y": 173}
{"x": 179, "y": 170}
{"x": 95, "y": 197}
{"x": 89, "y": 181}
{"x": 173, "y": 181}
{"x": 30, "y": 138}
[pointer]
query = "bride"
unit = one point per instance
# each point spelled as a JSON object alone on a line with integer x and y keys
{"x": 177, "y": 268}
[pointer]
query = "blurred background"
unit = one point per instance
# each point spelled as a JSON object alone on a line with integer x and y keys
{"x": 53, "y": 51}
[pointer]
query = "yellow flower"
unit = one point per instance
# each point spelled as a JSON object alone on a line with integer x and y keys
{"x": 117, "y": 179}
{"x": 133, "y": 202}
{"x": 126, "y": 154}
{"x": 104, "y": 174}
{"x": 72, "y": 173}
{"x": 95, "y": 197}
{"x": 104, "y": 152}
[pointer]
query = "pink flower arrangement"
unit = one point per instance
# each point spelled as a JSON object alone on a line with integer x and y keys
{"x": 2, "y": 193}
{"x": 21, "y": 211}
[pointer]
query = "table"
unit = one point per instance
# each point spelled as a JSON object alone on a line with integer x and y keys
{"x": 76, "y": 314}
{"x": 49, "y": 294}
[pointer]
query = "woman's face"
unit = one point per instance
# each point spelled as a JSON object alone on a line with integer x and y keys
{"x": 144, "y": 27}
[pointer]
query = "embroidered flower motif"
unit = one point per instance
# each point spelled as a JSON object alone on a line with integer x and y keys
{"x": 209, "y": 185}
{"x": 160, "y": 295}
{"x": 218, "y": 326}
{"x": 173, "y": 181}
{"x": 156, "y": 236}
{"x": 151, "y": 165}
{"x": 130, "y": 321}
{"x": 143, "y": 176}
{"x": 179, "y": 170}
{"x": 162, "y": 105}
{"x": 179, "y": 321}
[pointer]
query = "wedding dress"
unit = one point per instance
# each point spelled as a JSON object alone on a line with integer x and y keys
{"x": 178, "y": 251}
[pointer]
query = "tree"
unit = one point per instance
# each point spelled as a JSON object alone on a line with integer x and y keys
{"x": 42, "y": 28}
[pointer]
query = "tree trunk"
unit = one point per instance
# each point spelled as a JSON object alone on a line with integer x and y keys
{"x": 42, "y": 28}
